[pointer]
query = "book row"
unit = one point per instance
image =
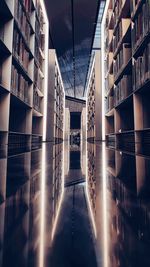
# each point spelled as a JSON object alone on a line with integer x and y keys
{"x": 40, "y": 39}
{"x": 122, "y": 58}
{"x": 123, "y": 89}
{"x": 22, "y": 20}
{"x": 19, "y": 49}
{"x": 141, "y": 68}
{"x": 121, "y": 31}
{"x": 38, "y": 79}
{"x": 36, "y": 100}
{"x": 117, "y": 9}
{"x": 19, "y": 86}
{"x": 142, "y": 25}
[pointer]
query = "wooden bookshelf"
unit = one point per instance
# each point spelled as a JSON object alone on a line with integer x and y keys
{"x": 126, "y": 90}
{"x": 94, "y": 98}
{"x": 56, "y": 100}
{"x": 22, "y": 74}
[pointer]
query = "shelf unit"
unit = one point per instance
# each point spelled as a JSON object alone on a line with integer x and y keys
{"x": 127, "y": 111}
{"x": 56, "y": 101}
{"x": 127, "y": 75}
{"x": 94, "y": 100}
{"x": 22, "y": 71}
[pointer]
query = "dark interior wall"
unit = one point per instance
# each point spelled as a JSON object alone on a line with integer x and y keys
{"x": 75, "y": 120}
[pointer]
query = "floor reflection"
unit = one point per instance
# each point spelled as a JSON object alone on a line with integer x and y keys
{"x": 73, "y": 243}
{"x": 52, "y": 195}
{"x": 29, "y": 204}
{"x": 129, "y": 221}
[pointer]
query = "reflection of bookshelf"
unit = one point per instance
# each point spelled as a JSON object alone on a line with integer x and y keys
{"x": 128, "y": 182}
{"x": 17, "y": 195}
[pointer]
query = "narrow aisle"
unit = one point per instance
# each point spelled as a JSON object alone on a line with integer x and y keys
{"x": 73, "y": 243}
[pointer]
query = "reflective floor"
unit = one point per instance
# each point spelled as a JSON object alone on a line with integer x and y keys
{"x": 74, "y": 205}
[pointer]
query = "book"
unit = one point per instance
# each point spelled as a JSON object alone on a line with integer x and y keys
{"x": 123, "y": 89}
{"x": 19, "y": 50}
{"x": 141, "y": 68}
{"x": 141, "y": 25}
{"x": 19, "y": 85}
{"x": 122, "y": 59}
{"x": 120, "y": 32}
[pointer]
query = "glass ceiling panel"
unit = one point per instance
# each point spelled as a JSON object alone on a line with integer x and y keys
{"x": 72, "y": 29}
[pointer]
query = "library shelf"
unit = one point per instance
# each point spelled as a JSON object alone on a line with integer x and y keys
{"x": 139, "y": 47}
{"x": 20, "y": 32}
{"x": 18, "y": 143}
{"x": 21, "y": 68}
{"x": 19, "y": 102}
{"x": 124, "y": 13}
{"x": 124, "y": 39}
{"x": 125, "y": 69}
{"x": 143, "y": 87}
{"x": 129, "y": 92}
{"x": 124, "y": 101}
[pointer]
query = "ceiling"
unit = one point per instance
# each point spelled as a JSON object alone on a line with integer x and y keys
{"x": 72, "y": 29}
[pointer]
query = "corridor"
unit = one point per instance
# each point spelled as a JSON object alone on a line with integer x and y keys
{"x": 74, "y": 133}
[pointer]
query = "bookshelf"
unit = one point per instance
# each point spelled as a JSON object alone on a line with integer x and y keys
{"x": 56, "y": 100}
{"x": 94, "y": 99}
{"x": 22, "y": 71}
{"x": 127, "y": 75}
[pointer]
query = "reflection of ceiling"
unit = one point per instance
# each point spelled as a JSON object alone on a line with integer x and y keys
{"x": 72, "y": 28}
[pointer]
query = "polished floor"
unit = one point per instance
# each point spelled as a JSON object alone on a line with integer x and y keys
{"x": 73, "y": 205}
